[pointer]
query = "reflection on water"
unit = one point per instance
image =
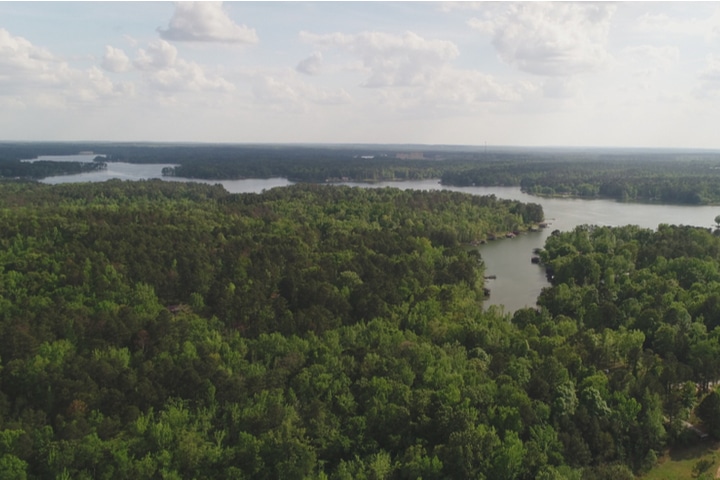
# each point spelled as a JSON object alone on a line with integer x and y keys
{"x": 133, "y": 171}
{"x": 80, "y": 157}
{"x": 122, "y": 171}
{"x": 518, "y": 281}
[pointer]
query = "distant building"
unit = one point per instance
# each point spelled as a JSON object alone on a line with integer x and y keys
{"x": 410, "y": 156}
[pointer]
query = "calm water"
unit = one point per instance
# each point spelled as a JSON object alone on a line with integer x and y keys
{"x": 518, "y": 281}
{"x": 80, "y": 157}
{"x": 123, "y": 171}
{"x": 132, "y": 171}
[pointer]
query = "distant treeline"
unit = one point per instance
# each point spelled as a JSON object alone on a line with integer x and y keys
{"x": 667, "y": 176}
{"x": 659, "y": 177}
{"x": 13, "y": 162}
{"x": 45, "y": 168}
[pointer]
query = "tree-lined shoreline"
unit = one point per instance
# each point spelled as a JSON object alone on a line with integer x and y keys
{"x": 690, "y": 177}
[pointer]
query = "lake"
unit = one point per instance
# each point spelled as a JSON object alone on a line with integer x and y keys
{"x": 518, "y": 281}
{"x": 80, "y": 157}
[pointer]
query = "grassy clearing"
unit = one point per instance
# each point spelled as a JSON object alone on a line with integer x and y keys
{"x": 700, "y": 461}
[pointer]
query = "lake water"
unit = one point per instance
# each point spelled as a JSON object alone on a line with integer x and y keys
{"x": 518, "y": 281}
{"x": 80, "y": 157}
{"x": 134, "y": 171}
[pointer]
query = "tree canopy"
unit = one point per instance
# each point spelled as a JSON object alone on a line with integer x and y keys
{"x": 168, "y": 330}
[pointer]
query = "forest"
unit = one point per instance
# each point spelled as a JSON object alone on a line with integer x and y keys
{"x": 45, "y": 168}
{"x": 689, "y": 177}
{"x": 169, "y": 330}
{"x": 173, "y": 330}
{"x": 158, "y": 329}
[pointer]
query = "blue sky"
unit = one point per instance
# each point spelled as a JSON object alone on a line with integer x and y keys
{"x": 635, "y": 74}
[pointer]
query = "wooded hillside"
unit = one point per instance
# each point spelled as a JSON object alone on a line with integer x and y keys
{"x": 169, "y": 330}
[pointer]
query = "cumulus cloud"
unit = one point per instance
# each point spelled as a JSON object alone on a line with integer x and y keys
{"x": 311, "y": 65}
{"x": 287, "y": 92}
{"x": 188, "y": 76}
{"x": 390, "y": 60}
{"x": 550, "y": 39}
{"x": 165, "y": 71}
{"x": 18, "y": 56}
{"x": 159, "y": 55}
{"x": 465, "y": 90}
{"x": 32, "y": 74}
{"x": 115, "y": 60}
{"x": 410, "y": 72}
{"x": 205, "y": 22}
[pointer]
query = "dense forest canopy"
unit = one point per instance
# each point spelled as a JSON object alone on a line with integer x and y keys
{"x": 168, "y": 330}
{"x": 667, "y": 176}
{"x": 157, "y": 329}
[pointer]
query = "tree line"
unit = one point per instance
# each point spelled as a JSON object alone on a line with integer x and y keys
{"x": 665, "y": 176}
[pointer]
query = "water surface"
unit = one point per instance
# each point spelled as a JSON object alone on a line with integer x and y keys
{"x": 518, "y": 281}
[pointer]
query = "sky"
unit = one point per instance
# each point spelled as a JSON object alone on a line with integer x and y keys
{"x": 600, "y": 74}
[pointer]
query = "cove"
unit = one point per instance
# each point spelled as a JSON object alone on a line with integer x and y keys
{"x": 518, "y": 282}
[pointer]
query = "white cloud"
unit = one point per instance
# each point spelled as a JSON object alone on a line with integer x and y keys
{"x": 188, "y": 76}
{"x": 709, "y": 86}
{"x": 390, "y": 60}
{"x": 471, "y": 5}
{"x": 311, "y": 65}
{"x": 470, "y": 89}
{"x": 205, "y": 22}
{"x": 271, "y": 90}
{"x": 286, "y": 91}
{"x": 166, "y": 71}
{"x": 551, "y": 39}
{"x": 18, "y": 56}
{"x": 33, "y": 75}
{"x": 410, "y": 73}
{"x": 115, "y": 60}
{"x": 561, "y": 87}
{"x": 159, "y": 54}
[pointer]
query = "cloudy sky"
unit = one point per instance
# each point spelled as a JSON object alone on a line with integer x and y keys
{"x": 525, "y": 74}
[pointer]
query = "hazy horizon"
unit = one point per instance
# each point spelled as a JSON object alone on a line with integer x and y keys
{"x": 355, "y": 145}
